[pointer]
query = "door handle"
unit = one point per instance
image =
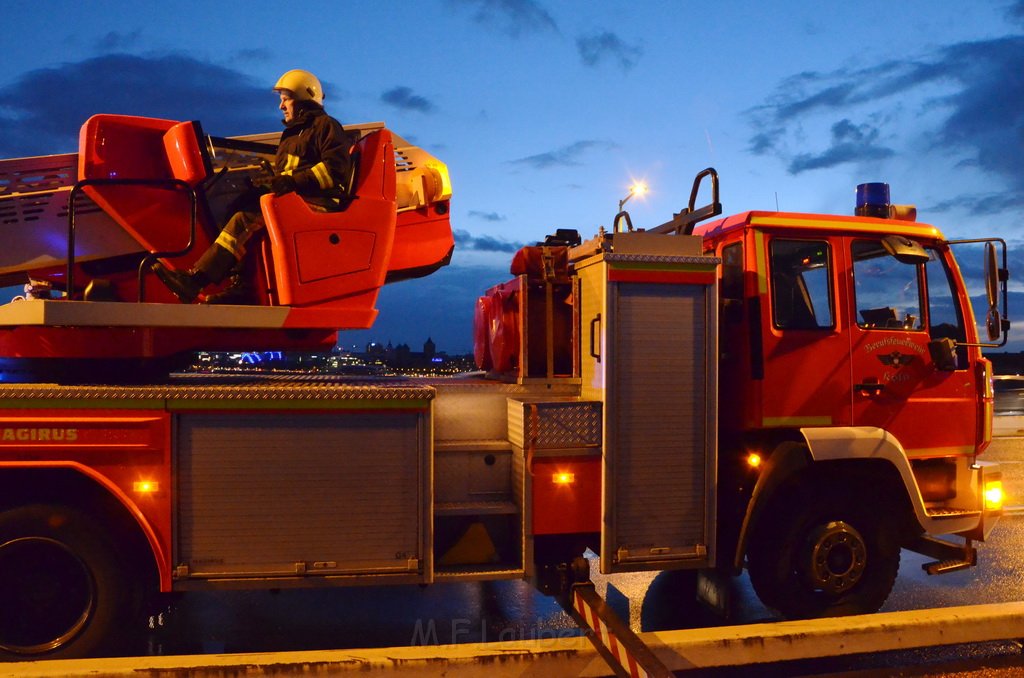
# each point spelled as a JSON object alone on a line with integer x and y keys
{"x": 869, "y": 388}
{"x": 594, "y": 346}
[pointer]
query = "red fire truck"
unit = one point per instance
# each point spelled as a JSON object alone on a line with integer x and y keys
{"x": 800, "y": 395}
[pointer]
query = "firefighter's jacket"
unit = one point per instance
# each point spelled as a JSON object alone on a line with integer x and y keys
{"x": 317, "y": 152}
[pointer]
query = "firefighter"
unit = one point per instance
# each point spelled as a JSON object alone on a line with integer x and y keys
{"x": 313, "y": 159}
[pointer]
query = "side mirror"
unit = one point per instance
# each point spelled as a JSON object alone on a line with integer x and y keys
{"x": 993, "y": 324}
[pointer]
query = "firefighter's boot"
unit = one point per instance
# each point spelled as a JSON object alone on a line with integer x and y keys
{"x": 241, "y": 288}
{"x": 211, "y": 268}
{"x": 238, "y": 291}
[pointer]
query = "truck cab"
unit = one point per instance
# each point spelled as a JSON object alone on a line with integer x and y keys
{"x": 822, "y": 326}
{"x": 851, "y": 377}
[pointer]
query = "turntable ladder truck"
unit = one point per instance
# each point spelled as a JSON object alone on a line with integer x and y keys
{"x": 659, "y": 397}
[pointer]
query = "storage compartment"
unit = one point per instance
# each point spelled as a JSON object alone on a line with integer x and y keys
{"x": 483, "y": 473}
{"x": 650, "y": 355}
{"x": 477, "y": 516}
{"x": 297, "y": 494}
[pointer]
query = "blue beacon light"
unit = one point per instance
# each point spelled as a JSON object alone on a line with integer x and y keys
{"x": 872, "y": 200}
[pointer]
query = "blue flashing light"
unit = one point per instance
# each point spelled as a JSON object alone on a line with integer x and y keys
{"x": 872, "y": 200}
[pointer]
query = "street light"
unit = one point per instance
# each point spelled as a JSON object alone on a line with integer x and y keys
{"x": 639, "y": 188}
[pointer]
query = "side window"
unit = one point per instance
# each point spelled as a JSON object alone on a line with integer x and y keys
{"x": 888, "y": 293}
{"x": 732, "y": 271}
{"x": 945, "y": 320}
{"x": 801, "y": 276}
{"x": 945, "y": 317}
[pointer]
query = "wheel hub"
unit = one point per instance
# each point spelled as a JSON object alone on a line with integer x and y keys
{"x": 836, "y": 557}
{"x": 47, "y": 595}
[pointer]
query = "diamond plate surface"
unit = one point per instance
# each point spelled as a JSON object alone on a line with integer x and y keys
{"x": 554, "y": 425}
{"x": 229, "y": 387}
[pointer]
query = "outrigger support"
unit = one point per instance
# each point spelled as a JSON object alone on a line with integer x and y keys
{"x": 623, "y": 650}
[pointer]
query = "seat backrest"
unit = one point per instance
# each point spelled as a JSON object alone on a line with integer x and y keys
{"x": 187, "y": 155}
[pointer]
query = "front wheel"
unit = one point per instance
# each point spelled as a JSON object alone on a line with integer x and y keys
{"x": 822, "y": 553}
{"x": 63, "y": 592}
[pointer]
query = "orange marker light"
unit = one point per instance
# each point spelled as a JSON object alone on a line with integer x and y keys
{"x": 563, "y": 478}
{"x": 994, "y": 495}
{"x": 754, "y": 460}
{"x": 146, "y": 486}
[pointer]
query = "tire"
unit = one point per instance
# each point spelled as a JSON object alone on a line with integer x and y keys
{"x": 63, "y": 592}
{"x": 671, "y": 602}
{"x": 821, "y": 551}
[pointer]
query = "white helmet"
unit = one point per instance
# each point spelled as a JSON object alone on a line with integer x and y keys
{"x": 303, "y": 85}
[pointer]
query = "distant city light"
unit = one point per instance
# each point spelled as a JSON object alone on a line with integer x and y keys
{"x": 376, "y": 360}
{"x": 256, "y": 357}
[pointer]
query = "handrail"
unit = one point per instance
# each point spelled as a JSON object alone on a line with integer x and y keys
{"x": 170, "y": 184}
{"x": 683, "y": 222}
{"x": 622, "y": 215}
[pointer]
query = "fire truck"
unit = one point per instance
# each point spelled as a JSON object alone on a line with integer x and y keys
{"x": 798, "y": 395}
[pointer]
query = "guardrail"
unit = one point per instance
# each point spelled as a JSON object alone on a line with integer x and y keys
{"x": 575, "y": 656}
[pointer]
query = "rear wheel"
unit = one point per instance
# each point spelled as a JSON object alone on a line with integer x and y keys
{"x": 824, "y": 552}
{"x": 62, "y": 590}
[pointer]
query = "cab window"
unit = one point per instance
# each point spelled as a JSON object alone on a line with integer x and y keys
{"x": 945, "y": 316}
{"x": 732, "y": 272}
{"x": 888, "y": 293}
{"x": 801, "y": 273}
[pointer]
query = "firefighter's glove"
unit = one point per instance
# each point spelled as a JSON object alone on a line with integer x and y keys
{"x": 283, "y": 184}
{"x": 261, "y": 182}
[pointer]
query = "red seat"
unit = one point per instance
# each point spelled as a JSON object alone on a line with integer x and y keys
{"x": 337, "y": 260}
{"x": 130, "y": 147}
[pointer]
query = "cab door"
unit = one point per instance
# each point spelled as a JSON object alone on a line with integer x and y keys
{"x": 806, "y": 348}
{"x": 896, "y": 309}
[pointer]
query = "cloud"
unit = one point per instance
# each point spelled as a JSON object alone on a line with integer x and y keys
{"x": 45, "y": 108}
{"x": 963, "y": 102}
{"x": 982, "y": 204}
{"x": 511, "y": 17}
{"x": 850, "y": 143}
{"x": 483, "y": 243}
{"x": 115, "y": 41}
{"x": 606, "y": 46}
{"x": 403, "y": 98}
{"x": 259, "y": 54}
{"x": 487, "y": 216}
{"x": 566, "y": 156}
{"x": 1016, "y": 11}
